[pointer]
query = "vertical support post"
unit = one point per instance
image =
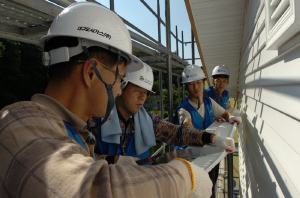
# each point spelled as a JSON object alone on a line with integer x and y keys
{"x": 169, "y": 58}
{"x": 177, "y": 52}
{"x": 178, "y": 85}
{"x": 112, "y": 5}
{"x": 193, "y": 48}
{"x": 182, "y": 45}
{"x": 183, "y": 91}
{"x": 230, "y": 175}
{"x": 158, "y": 22}
{"x": 161, "y": 95}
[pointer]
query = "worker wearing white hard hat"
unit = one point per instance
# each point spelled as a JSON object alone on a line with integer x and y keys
{"x": 131, "y": 116}
{"x": 220, "y": 80}
{"x": 200, "y": 111}
{"x": 45, "y": 141}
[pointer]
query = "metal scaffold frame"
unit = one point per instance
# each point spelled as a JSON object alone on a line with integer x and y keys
{"x": 28, "y": 21}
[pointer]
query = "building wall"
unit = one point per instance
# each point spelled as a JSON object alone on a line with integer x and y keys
{"x": 269, "y": 144}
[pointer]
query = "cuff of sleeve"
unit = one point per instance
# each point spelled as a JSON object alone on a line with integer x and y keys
{"x": 192, "y": 174}
{"x": 110, "y": 159}
{"x": 207, "y": 137}
{"x": 212, "y": 137}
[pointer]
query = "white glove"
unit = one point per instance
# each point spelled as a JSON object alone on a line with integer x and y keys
{"x": 233, "y": 119}
{"x": 202, "y": 182}
{"x": 127, "y": 160}
{"x": 224, "y": 142}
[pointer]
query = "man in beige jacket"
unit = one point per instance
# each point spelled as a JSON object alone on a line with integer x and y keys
{"x": 43, "y": 142}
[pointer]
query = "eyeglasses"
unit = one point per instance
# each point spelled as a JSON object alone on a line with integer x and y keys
{"x": 124, "y": 81}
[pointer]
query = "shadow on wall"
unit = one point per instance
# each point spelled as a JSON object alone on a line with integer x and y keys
{"x": 255, "y": 164}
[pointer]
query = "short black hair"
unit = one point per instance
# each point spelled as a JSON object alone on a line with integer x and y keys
{"x": 61, "y": 71}
{"x": 220, "y": 76}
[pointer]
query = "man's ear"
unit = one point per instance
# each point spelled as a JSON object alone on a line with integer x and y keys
{"x": 88, "y": 73}
{"x": 212, "y": 80}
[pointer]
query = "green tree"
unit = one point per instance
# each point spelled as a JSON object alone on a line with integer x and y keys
{"x": 21, "y": 71}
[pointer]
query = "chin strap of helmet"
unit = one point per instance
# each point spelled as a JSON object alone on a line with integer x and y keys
{"x": 198, "y": 103}
{"x": 109, "y": 87}
{"x": 124, "y": 105}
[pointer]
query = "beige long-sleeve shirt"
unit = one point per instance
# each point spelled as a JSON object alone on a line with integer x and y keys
{"x": 39, "y": 159}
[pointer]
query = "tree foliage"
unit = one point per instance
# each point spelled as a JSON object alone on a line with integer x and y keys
{"x": 21, "y": 71}
{"x": 156, "y": 89}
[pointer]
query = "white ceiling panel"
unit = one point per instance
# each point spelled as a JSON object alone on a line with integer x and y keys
{"x": 217, "y": 25}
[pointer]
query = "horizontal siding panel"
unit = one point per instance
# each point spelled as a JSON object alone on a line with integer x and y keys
{"x": 286, "y": 68}
{"x": 285, "y": 126}
{"x": 256, "y": 175}
{"x": 251, "y": 17}
{"x": 285, "y": 159}
{"x": 283, "y": 98}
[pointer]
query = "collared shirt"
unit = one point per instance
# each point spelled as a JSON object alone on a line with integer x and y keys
{"x": 74, "y": 121}
{"x": 183, "y": 114}
{"x": 165, "y": 131}
{"x": 39, "y": 159}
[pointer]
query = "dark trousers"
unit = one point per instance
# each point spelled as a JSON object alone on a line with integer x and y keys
{"x": 213, "y": 174}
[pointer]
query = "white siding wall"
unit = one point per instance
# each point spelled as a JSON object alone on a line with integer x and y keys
{"x": 269, "y": 86}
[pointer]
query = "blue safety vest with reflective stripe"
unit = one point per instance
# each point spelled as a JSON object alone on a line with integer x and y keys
{"x": 197, "y": 120}
{"x": 104, "y": 148}
{"x": 211, "y": 94}
{"x": 72, "y": 134}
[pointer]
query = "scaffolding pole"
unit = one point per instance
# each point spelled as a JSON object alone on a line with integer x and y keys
{"x": 178, "y": 85}
{"x": 182, "y": 45}
{"x": 169, "y": 58}
{"x": 230, "y": 175}
{"x": 112, "y": 5}
{"x": 193, "y": 48}
{"x": 158, "y": 22}
{"x": 161, "y": 95}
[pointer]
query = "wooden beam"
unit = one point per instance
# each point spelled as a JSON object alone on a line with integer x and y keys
{"x": 189, "y": 11}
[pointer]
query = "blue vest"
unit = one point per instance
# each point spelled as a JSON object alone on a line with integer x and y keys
{"x": 211, "y": 94}
{"x": 72, "y": 134}
{"x": 197, "y": 120}
{"x": 104, "y": 148}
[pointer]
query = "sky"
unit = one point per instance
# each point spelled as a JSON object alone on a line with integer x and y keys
{"x": 137, "y": 14}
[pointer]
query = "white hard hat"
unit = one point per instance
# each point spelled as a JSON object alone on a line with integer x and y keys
{"x": 220, "y": 70}
{"x": 192, "y": 73}
{"x": 93, "y": 25}
{"x": 142, "y": 78}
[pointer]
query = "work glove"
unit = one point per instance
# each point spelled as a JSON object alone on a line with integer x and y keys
{"x": 233, "y": 119}
{"x": 200, "y": 180}
{"x": 127, "y": 160}
{"x": 220, "y": 119}
{"x": 203, "y": 184}
{"x": 224, "y": 142}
